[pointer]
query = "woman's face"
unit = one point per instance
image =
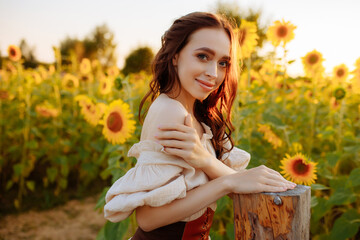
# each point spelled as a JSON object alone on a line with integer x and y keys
{"x": 202, "y": 64}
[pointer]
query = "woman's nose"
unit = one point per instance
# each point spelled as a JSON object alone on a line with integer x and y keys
{"x": 211, "y": 70}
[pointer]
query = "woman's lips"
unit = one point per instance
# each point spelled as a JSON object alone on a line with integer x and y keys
{"x": 205, "y": 85}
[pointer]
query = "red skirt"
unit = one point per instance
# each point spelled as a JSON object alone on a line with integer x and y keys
{"x": 193, "y": 230}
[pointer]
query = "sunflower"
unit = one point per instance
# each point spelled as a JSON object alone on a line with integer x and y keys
{"x": 14, "y": 53}
{"x": 339, "y": 93}
{"x": 247, "y": 34}
{"x": 113, "y": 71}
{"x": 46, "y": 110}
{"x": 88, "y": 78}
{"x": 90, "y": 112}
{"x": 85, "y": 66}
{"x": 280, "y": 31}
{"x": 34, "y": 77}
{"x": 340, "y": 73}
{"x": 312, "y": 62}
{"x": 118, "y": 125}
{"x": 270, "y": 136}
{"x": 70, "y": 82}
{"x": 105, "y": 85}
{"x": 82, "y": 99}
{"x": 299, "y": 169}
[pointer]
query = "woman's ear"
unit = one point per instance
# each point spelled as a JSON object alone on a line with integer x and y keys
{"x": 175, "y": 60}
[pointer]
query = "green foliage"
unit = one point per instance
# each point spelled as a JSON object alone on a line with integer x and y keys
{"x": 138, "y": 60}
{"x": 99, "y": 44}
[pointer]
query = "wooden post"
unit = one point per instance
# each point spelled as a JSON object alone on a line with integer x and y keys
{"x": 263, "y": 216}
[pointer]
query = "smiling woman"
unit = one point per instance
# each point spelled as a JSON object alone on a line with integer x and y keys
{"x": 186, "y": 159}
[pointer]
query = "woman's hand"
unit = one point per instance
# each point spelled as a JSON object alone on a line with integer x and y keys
{"x": 184, "y": 142}
{"x": 258, "y": 179}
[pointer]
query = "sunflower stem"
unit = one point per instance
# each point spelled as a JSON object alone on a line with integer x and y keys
{"x": 339, "y": 132}
{"x": 58, "y": 102}
{"x": 247, "y": 99}
{"x": 26, "y": 132}
{"x": 284, "y": 78}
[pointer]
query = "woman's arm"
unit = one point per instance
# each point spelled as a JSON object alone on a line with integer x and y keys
{"x": 150, "y": 218}
{"x": 182, "y": 140}
{"x": 259, "y": 179}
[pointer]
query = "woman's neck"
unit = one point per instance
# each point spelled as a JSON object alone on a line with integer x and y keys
{"x": 186, "y": 100}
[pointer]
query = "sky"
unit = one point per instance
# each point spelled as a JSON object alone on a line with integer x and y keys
{"x": 329, "y": 26}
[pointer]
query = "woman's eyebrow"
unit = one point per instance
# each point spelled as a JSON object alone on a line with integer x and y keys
{"x": 210, "y": 51}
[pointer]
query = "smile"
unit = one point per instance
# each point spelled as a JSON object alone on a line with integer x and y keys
{"x": 205, "y": 85}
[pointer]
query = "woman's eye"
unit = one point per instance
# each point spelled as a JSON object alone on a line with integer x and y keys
{"x": 202, "y": 56}
{"x": 223, "y": 64}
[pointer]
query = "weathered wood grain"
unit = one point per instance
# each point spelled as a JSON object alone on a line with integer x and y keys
{"x": 273, "y": 216}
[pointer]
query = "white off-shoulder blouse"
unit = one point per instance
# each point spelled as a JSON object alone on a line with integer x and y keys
{"x": 159, "y": 178}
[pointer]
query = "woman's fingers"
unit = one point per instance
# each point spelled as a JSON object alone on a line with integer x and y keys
{"x": 162, "y": 135}
{"x": 174, "y": 151}
{"x": 277, "y": 183}
{"x": 174, "y": 143}
{"x": 174, "y": 127}
{"x": 268, "y": 188}
{"x": 277, "y": 177}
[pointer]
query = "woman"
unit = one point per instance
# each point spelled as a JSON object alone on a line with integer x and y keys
{"x": 186, "y": 158}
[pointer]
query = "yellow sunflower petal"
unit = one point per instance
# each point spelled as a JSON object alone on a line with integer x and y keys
{"x": 85, "y": 66}
{"x": 312, "y": 63}
{"x": 14, "y": 53}
{"x": 270, "y": 136}
{"x": 281, "y": 31}
{"x": 247, "y": 33}
{"x": 340, "y": 74}
{"x": 299, "y": 169}
{"x": 105, "y": 85}
{"x": 118, "y": 125}
{"x": 70, "y": 82}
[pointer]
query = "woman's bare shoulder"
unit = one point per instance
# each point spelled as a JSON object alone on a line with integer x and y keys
{"x": 163, "y": 110}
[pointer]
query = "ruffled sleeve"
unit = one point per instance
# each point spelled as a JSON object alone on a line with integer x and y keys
{"x": 157, "y": 179}
{"x": 237, "y": 158}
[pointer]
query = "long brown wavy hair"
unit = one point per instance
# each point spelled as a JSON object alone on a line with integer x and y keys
{"x": 215, "y": 110}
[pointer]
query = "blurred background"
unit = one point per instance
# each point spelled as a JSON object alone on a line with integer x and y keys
{"x": 73, "y": 73}
{"x": 328, "y": 26}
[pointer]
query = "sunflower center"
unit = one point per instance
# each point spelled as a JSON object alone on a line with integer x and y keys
{"x": 282, "y": 31}
{"x": 12, "y": 52}
{"x": 70, "y": 84}
{"x": 114, "y": 122}
{"x": 90, "y": 108}
{"x": 340, "y": 72}
{"x": 300, "y": 168}
{"x": 313, "y": 59}
{"x": 104, "y": 85}
{"x": 242, "y": 37}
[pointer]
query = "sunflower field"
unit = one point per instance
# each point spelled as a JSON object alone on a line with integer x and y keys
{"x": 70, "y": 126}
